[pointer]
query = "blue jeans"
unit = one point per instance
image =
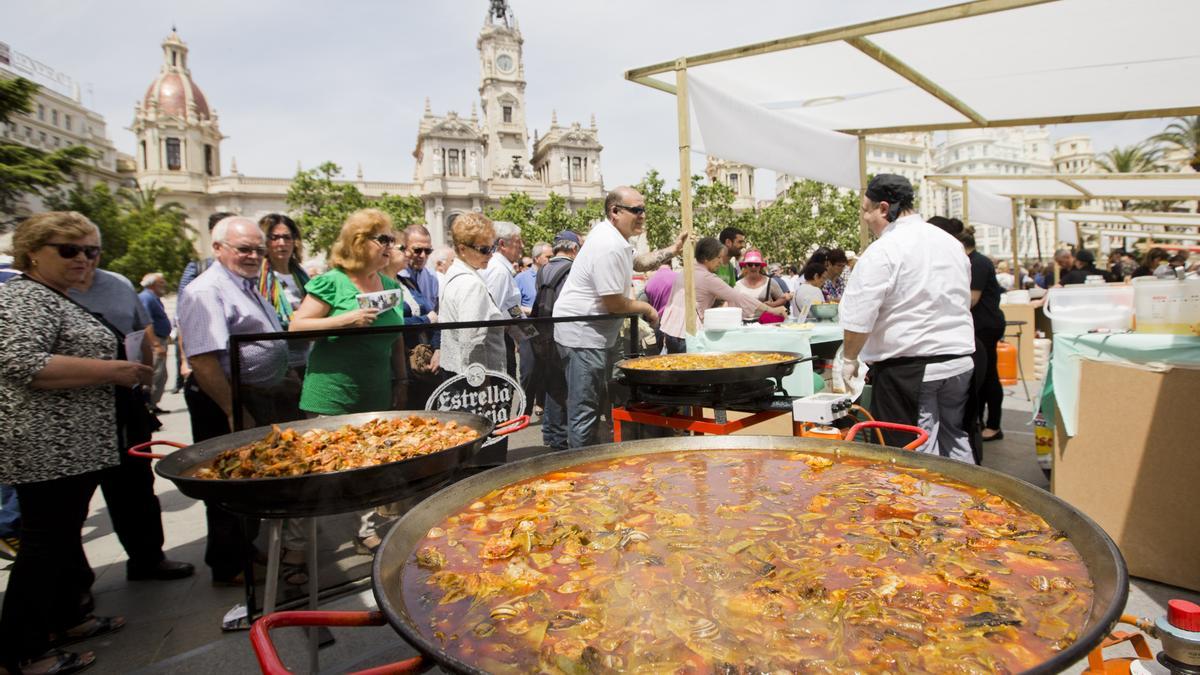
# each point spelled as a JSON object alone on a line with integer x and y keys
{"x": 587, "y": 378}
{"x": 554, "y": 420}
{"x": 10, "y": 512}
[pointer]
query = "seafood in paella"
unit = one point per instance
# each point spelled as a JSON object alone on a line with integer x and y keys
{"x": 706, "y": 361}
{"x": 287, "y": 452}
{"x": 746, "y": 561}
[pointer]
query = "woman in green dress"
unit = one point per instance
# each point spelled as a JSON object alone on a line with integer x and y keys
{"x": 353, "y": 374}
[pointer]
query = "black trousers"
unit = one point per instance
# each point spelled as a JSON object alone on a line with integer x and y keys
{"x": 136, "y": 514}
{"x": 228, "y": 534}
{"x": 992, "y": 394}
{"x": 51, "y": 572}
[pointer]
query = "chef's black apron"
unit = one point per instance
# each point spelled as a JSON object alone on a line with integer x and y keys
{"x": 896, "y": 392}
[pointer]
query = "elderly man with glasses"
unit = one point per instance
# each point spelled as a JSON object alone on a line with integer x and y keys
{"x": 223, "y": 301}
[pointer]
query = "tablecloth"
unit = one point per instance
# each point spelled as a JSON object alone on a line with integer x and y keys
{"x": 768, "y": 337}
{"x": 1152, "y": 351}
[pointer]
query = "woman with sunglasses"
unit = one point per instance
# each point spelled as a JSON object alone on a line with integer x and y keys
{"x": 465, "y": 297}
{"x": 760, "y": 287}
{"x": 58, "y": 368}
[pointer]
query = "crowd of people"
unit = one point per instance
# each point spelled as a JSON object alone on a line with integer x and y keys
{"x": 921, "y": 307}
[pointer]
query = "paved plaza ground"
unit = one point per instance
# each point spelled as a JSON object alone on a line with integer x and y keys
{"x": 174, "y": 626}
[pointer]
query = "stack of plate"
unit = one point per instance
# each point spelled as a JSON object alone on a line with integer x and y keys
{"x": 722, "y": 318}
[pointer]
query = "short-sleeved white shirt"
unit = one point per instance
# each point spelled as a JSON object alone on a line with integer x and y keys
{"x": 604, "y": 266}
{"x": 911, "y": 293}
{"x": 502, "y": 283}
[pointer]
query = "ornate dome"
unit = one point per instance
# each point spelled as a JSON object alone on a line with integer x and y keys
{"x": 174, "y": 90}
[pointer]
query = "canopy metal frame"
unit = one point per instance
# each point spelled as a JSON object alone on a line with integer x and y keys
{"x": 859, "y": 36}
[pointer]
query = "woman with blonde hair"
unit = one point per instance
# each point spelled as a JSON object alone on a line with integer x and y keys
{"x": 465, "y": 297}
{"x": 59, "y": 365}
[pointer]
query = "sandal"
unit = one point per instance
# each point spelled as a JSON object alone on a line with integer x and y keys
{"x": 95, "y": 627}
{"x": 292, "y": 573}
{"x": 368, "y": 544}
{"x": 56, "y": 662}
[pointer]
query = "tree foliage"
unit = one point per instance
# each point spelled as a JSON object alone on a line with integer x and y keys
{"x": 25, "y": 170}
{"x": 157, "y": 235}
{"x": 102, "y": 207}
{"x": 1184, "y": 133}
{"x": 542, "y": 224}
{"x": 320, "y": 204}
{"x": 809, "y": 214}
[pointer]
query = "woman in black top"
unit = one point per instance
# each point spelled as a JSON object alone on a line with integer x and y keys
{"x": 989, "y": 330}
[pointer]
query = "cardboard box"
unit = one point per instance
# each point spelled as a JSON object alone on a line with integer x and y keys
{"x": 1025, "y": 348}
{"x": 1134, "y": 466}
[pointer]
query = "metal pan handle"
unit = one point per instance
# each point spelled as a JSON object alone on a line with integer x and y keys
{"x": 268, "y": 656}
{"x": 921, "y": 435}
{"x": 511, "y": 426}
{"x": 138, "y": 450}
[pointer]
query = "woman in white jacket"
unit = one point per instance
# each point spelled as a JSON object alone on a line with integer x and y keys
{"x": 464, "y": 297}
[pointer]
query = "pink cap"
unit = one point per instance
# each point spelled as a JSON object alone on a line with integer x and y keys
{"x": 752, "y": 257}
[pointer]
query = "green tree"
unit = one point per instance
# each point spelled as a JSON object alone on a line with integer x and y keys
{"x": 102, "y": 207}
{"x": 1138, "y": 158}
{"x": 320, "y": 205}
{"x": 158, "y": 236}
{"x": 662, "y": 210}
{"x": 809, "y": 213}
{"x": 582, "y": 220}
{"x": 1183, "y": 133}
{"x": 404, "y": 210}
{"x": 25, "y": 170}
{"x": 553, "y": 218}
{"x": 516, "y": 208}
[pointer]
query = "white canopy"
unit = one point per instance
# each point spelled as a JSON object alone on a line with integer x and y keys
{"x": 976, "y": 64}
{"x": 1115, "y": 186}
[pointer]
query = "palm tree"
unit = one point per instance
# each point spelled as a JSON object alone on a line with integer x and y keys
{"x": 1138, "y": 158}
{"x": 142, "y": 207}
{"x": 1183, "y": 133}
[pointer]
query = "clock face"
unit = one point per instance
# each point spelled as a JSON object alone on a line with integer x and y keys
{"x": 505, "y": 63}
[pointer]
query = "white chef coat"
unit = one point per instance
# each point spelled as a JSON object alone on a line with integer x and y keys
{"x": 604, "y": 266}
{"x": 911, "y": 294}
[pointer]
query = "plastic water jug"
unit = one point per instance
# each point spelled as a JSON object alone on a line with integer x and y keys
{"x": 1006, "y": 363}
{"x": 1167, "y": 305}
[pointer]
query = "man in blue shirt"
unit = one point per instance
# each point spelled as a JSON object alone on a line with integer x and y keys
{"x": 527, "y": 280}
{"x": 419, "y": 246}
{"x": 154, "y": 287}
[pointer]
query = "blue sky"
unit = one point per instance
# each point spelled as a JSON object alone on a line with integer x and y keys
{"x": 313, "y": 81}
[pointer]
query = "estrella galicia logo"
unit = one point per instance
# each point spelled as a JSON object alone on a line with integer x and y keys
{"x": 487, "y": 393}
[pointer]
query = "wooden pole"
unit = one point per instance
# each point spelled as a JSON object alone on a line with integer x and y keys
{"x": 966, "y": 211}
{"x": 1016, "y": 239}
{"x": 685, "y": 195}
{"x": 864, "y": 235}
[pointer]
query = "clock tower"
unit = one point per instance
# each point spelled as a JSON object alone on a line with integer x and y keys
{"x": 502, "y": 94}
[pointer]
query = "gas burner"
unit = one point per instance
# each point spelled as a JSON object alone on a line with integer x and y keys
{"x": 724, "y": 396}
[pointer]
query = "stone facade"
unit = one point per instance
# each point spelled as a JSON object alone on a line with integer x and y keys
{"x": 461, "y": 163}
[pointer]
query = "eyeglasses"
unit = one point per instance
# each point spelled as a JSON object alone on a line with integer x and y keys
{"x": 483, "y": 250}
{"x": 420, "y": 251}
{"x": 246, "y": 250}
{"x": 281, "y": 237}
{"x": 384, "y": 240}
{"x": 635, "y": 210}
{"x": 69, "y": 251}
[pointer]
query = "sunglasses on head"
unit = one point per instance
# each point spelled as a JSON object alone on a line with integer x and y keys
{"x": 483, "y": 250}
{"x": 635, "y": 210}
{"x": 420, "y": 251}
{"x": 384, "y": 240}
{"x": 69, "y": 251}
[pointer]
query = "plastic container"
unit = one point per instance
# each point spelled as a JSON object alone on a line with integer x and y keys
{"x": 1006, "y": 363}
{"x": 722, "y": 318}
{"x": 1083, "y": 309}
{"x": 824, "y": 311}
{"x": 1167, "y": 305}
{"x": 1015, "y": 298}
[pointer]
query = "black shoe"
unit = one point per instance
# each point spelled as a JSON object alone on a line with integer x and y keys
{"x": 165, "y": 570}
{"x": 158, "y": 411}
{"x": 999, "y": 435}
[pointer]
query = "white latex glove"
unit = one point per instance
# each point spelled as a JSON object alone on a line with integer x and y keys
{"x": 849, "y": 369}
{"x": 844, "y": 373}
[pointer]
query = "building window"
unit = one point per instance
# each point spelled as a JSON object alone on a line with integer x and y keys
{"x": 208, "y": 160}
{"x": 507, "y": 114}
{"x": 41, "y": 112}
{"x": 174, "y": 158}
{"x": 55, "y": 140}
{"x": 577, "y": 169}
{"x": 42, "y": 137}
{"x": 750, "y": 180}
{"x": 145, "y": 160}
{"x": 453, "y": 164}
{"x": 54, "y": 117}
{"x": 29, "y": 133}
{"x": 67, "y": 122}
{"x": 732, "y": 179}
{"x": 174, "y": 58}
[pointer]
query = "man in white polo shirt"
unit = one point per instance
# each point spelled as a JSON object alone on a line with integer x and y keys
{"x": 599, "y": 283}
{"x": 907, "y": 312}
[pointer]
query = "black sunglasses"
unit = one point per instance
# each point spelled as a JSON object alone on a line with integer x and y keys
{"x": 69, "y": 251}
{"x": 385, "y": 240}
{"x": 483, "y": 250}
{"x": 420, "y": 251}
{"x": 635, "y": 210}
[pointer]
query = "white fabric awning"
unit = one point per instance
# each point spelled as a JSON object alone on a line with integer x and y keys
{"x": 988, "y": 208}
{"x": 982, "y": 63}
{"x": 1128, "y": 186}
